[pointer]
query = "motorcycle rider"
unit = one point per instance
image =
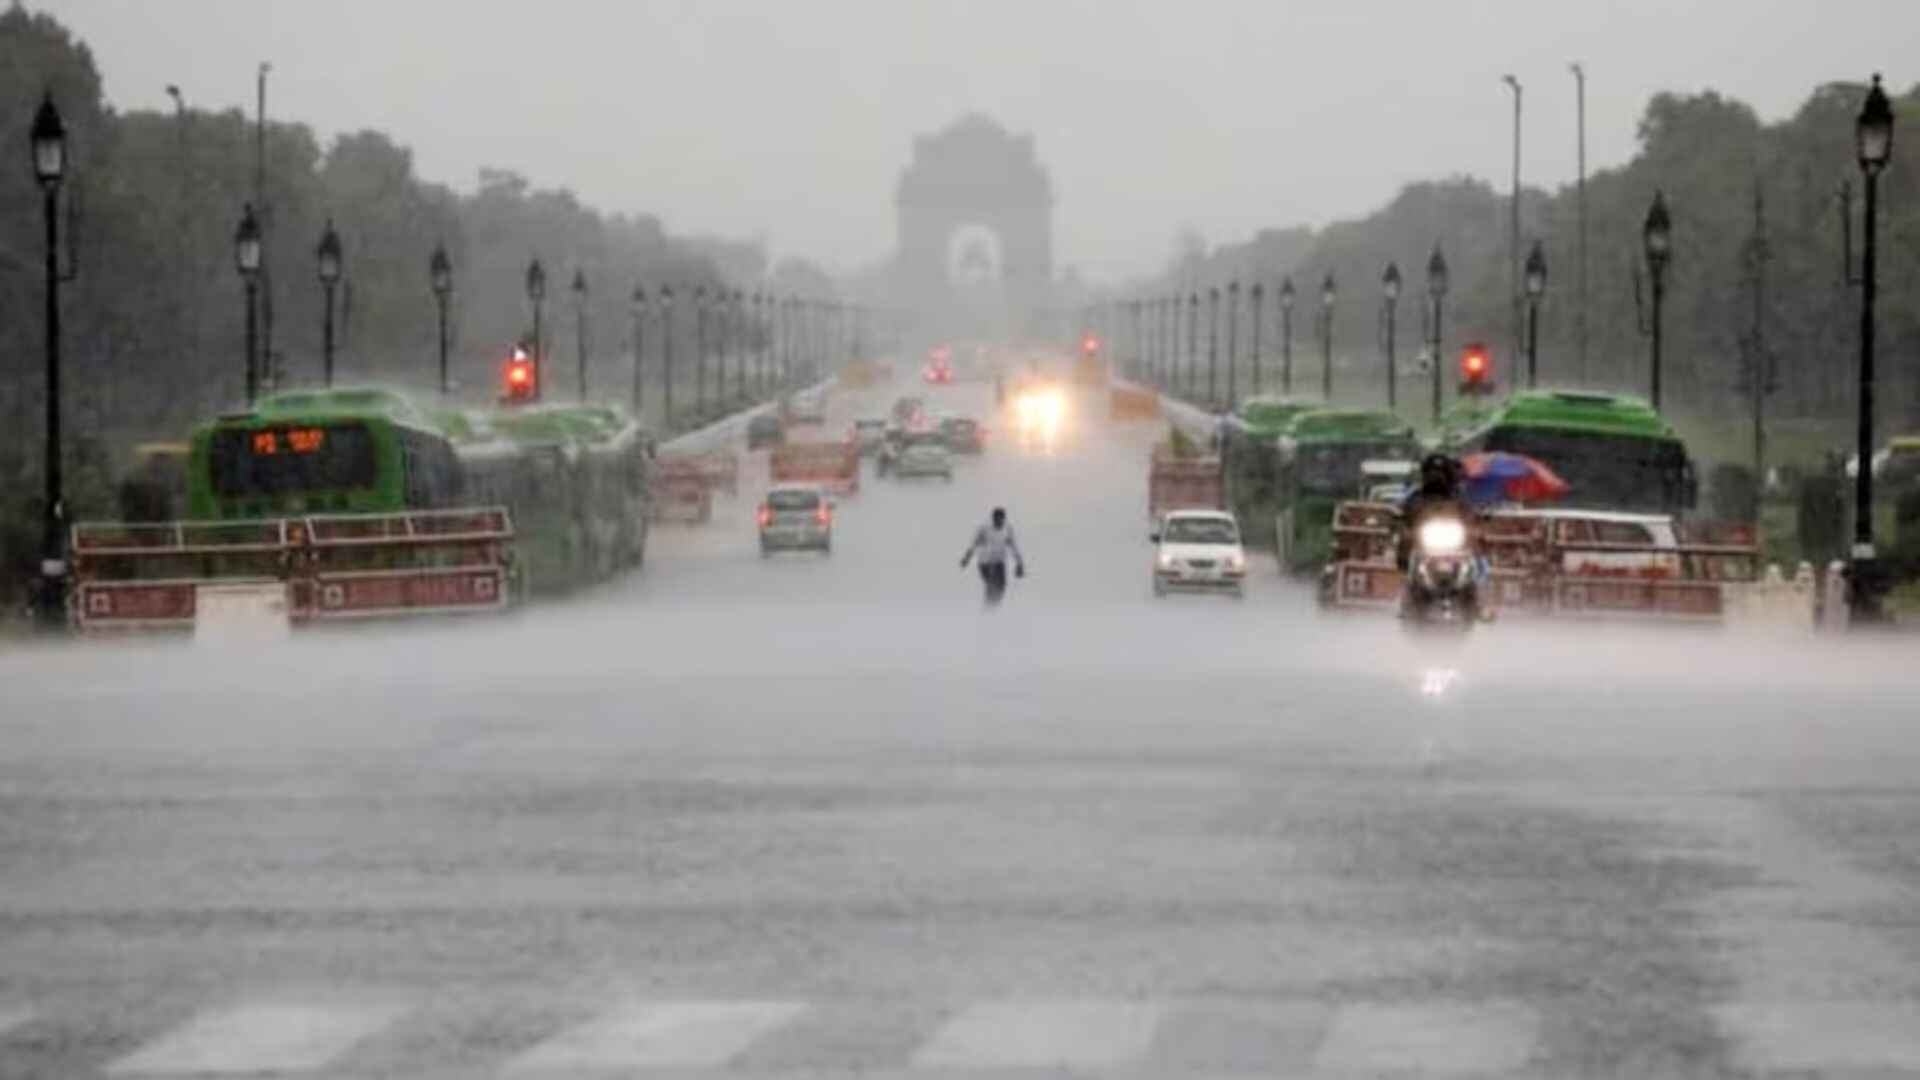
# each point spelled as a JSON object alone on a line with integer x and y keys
{"x": 1439, "y": 493}
{"x": 992, "y": 542}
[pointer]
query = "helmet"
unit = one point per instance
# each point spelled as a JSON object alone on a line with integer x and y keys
{"x": 1437, "y": 472}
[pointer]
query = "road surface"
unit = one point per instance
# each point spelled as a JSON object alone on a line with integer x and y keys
{"x": 809, "y": 817}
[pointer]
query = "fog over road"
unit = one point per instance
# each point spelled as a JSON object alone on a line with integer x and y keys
{"x": 820, "y": 817}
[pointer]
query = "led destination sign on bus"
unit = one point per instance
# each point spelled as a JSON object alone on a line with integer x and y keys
{"x": 307, "y": 440}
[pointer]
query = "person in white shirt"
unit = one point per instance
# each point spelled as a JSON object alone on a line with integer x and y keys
{"x": 992, "y": 543}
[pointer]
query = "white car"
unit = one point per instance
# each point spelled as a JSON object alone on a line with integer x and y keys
{"x": 924, "y": 455}
{"x": 1198, "y": 551}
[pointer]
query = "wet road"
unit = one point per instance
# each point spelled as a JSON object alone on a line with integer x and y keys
{"x": 825, "y": 817}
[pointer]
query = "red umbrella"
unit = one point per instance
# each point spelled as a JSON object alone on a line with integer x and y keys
{"x": 1498, "y": 476}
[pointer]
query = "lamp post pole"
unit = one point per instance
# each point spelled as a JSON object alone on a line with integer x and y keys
{"x": 1873, "y": 136}
{"x": 1513, "y": 221}
{"x": 1193, "y": 342}
{"x": 580, "y": 327}
{"x": 1657, "y": 236}
{"x": 1286, "y": 335}
{"x": 329, "y": 256}
{"x": 537, "y": 295}
{"x": 1326, "y": 338}
{"x": 1580, "y": 199}
{"x": 639, "y": 350}
{"x": 440, "y": 274}
{"x": 246, "y": 256}
{"x": 1390, "y": 302}
{"x": 49, "y": 145}
{"x": 1259, "y": 293}
{"x": 1437, "y": 294}
{"x": 1213, "y": 343}
{"x": 1233, "y": 344}
{"x": 700, "y": 350}
{"x": 666, "y": 357}
{"x": 1536, "y": 283}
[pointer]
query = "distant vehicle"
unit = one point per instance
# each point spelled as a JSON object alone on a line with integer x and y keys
{"x": 907, "y": 409}
{"x": 796, "y": 517}
{"x": 808, "y": 408}
{"x": 869, "y": 432}
{"x": 939, "y": 370}
{"x": 963, "y": 434}
{"x": 1198, "y": 551}
{"x": 766, "y": 429}
{"x": 924, "y": 455}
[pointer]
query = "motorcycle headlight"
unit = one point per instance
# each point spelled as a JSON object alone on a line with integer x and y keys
{"x": 1443, "y": 536}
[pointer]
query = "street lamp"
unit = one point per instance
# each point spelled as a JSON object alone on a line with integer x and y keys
{"x": 1390, "y": 304}
{"x": 246, "y": 257}
{"x": 328, "y": 254}
{"x": 1213, "y": 343}
{"x": 700, "y": 350}
{"x": 666, "y": 356}
{"x": 1437, "y": 295}
{"x": 1286, "y": 335}
{"x": 639, "y": 348}
{"x": 537, "y": 295}
{"x": 580, "y": 326}
{"x": 1326, "y": 338}
{"x": 1873, "y": 141}
{"x": 737, "y": 322}
{"x": 1193, "y": 341}
{"x": 1259, "y": 293}
{"x": 49, "y": 145}
{"x": 1233, "y": 343}
{"x": 1536, "y": 284}
{"x": 1657, "y": 237}
{"x": 440, "y": 273}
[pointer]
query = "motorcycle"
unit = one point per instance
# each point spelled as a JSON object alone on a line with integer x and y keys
{"x": 1443, "y": 576}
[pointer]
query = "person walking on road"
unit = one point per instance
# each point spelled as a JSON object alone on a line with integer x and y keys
{"x": 992, "y": 543}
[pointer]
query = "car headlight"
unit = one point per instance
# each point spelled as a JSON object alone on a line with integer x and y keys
{"x": 1166, "y": 562}
{"x": 1443, "y": 536}
{"x": 1237, "y": 562}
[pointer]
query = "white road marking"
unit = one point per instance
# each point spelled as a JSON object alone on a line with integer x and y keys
{"x": 1042, "y": 1034}
{"x": 661, "y": 1034}
{"x": 1428, "y": 1039}
{"x": 277, "y": 1038}
{"x": 1825, "y": 1035}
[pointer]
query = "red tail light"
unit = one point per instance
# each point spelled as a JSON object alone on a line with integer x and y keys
{"x": 822, "y": 516}
{"x": 766, "y": 516}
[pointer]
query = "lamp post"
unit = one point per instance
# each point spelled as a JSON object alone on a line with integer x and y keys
{"x": 1437, "y": 295}
{"x": 758, "y": 305}
{"x": 737, "y": 320}
{"x": 1193, "y": 342}
{"x": 1213, "y": 343}
{"x": 1536, "y": 284}
{"x": 440, "y": 273}
{"x": 1233, "y": 343}
{"x": 1326, "y": 338}
{"x": 537, "y": 295}
{"x": 1513, "y": 222}
{"x": 246, "y": 258}
{"x": 639, "y": 349}
{"x": 1657, "y": 237}
{"x": 328, "y": 254}
{"x": 49, "y": 145}
{"x": 580, "y": 326}
{"x": 666, "y": 357}
{"x": 1139, "y": 361}
{"x": 700, "y": 350}
{"x": 1259, "y": 293}
{"x": 1390, "y": 306}
{"x": 1873, "y": 142}
{"x": 1286, "y": 335}
{"x": 1580, "y": 196}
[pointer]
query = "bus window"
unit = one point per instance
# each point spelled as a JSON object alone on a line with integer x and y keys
{"x": 280, "y": 460}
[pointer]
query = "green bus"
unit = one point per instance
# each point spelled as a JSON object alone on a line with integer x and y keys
{"x": 1615, "y": 452}
{"x": 321, "y": 452}
{"x": 1319, "y": 456}
{"x": 1252, "y": 461}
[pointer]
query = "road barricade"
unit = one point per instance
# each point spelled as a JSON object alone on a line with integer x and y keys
{"x": 833, "y": 465}
{"x": 682, "y": 491}
{"x": 1536, "y": 568}
{"x": 1183, "y": 483}
{"x": 150, "y": 577}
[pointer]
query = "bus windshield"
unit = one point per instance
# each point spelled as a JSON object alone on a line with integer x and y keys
{"x": 291, "y": 458}
{"x": 1613, "y": 472}
{"x": 1334, "y": 468}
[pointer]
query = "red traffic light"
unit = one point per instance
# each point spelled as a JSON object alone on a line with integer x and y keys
{"x": 1474, "y": 365}
{"x": 1089, "y": 344}
{"x": 522, "y": 377}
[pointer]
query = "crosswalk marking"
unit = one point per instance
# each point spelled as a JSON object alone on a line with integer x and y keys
{"x": 268, "y": 1038}
{"x": 1824, "y": 1035}
{"x": 661, "y": 1034}
{"x": 1430, "y": 1038}
{"x": 1042, "y": 1035}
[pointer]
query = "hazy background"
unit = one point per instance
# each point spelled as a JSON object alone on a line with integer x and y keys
{"x": 791, "y": 121}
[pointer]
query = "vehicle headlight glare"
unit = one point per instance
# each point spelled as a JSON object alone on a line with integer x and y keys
{"x": 1443, "y": 536}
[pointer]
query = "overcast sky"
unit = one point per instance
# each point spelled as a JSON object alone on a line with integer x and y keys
{"x": 791, "y": 119}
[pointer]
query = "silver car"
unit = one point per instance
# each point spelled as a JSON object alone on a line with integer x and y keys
{"x": 923, "y": 457}
{"x": 796, "y": 517}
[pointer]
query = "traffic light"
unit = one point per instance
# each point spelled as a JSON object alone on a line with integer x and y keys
{"x": 1476, "y": 370}
{"x": 1090, "y": 345}
{"x": 522, "y": 378}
